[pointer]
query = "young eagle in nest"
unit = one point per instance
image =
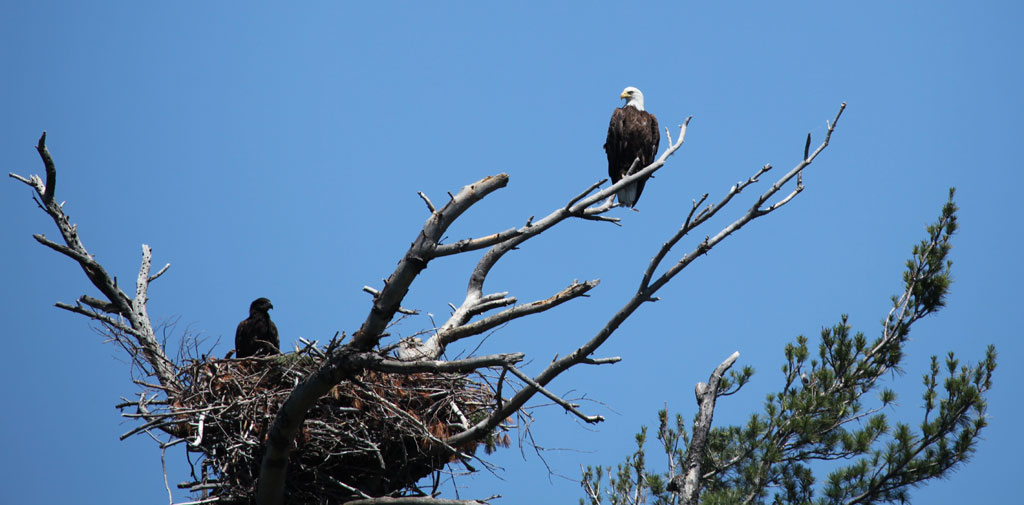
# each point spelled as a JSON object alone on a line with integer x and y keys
{"x": 257, "y": 335}
{"x": 632, "y": 134}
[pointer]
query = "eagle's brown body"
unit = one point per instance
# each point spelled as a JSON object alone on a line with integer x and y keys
{"x": 257, "y": 334}
{"x": 632, "y": 133}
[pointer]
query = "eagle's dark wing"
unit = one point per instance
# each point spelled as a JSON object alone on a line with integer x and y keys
{"x": 648, "y": 139}
{"x": 272, "y": 343}
{"x": 245, "y": 339}
{"x": 632, "y": 134}
{"x": 652, "y": 153}
{"x": 613, "y": 145}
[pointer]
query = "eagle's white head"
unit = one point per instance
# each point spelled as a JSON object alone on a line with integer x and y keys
{"x": 633, "y": 97}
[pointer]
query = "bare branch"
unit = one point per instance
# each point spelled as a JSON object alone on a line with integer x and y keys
{"x": 633, "y": 167}
{"x": 688, "y": 484}
{"x": 20, "y": 178}
{"x": 418, "y": 500}
{"x": 447, "y": 335}
{"x": 51, "y": 171}
{"x": 604, "y": 219}
{"x": 601, "y": 361}
{"x": 118, "y": 302}
{"x": 472, "y": 244}
{"x": 463, "y": 365}
{"x": 158, "y": 274}
{"x": 142, "y": 285}
{"x": 784, "y": 201}
{"x": 605, "y": 206}
{"x": 491, "y": 302}
{"x": 555, "y": 398}
{"x": 65, "y": 250}
{"x": 422, "y": 250}
{"x": 585, "y": 193}
{"x": 156, "y": 423}
{"x": 430, "y": 205}
{"x": 401, "y": 310}
{"x": 97, "y": 316}
{"x": 668, "y": 245}
{"x": 204, "y": 501}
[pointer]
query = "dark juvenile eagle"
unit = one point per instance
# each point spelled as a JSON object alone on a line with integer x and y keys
{"x": 257, "y": 334}
{"x": 632, "y": 133}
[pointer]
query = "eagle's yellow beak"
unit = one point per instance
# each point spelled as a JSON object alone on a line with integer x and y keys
{"x": 624, "y": 95}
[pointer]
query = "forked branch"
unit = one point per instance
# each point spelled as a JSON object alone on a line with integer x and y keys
{"x": 688, "y": 483}
{"x": 120, "y": 312}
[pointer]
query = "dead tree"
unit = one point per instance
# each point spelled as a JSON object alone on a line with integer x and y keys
{"x": 268, "y": 426}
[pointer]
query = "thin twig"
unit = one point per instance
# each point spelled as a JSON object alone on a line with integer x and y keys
{"x": 555, "y": 398}
{"x": 427, "y": 201}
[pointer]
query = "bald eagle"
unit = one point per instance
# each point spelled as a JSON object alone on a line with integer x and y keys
{"x": 257, "y": 335}
{"x": 632, "y": 133}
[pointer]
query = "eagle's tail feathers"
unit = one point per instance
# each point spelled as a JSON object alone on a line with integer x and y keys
{"x": 627, "y": 195}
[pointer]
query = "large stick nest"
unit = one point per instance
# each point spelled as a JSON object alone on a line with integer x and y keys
{"x": 373, "y": 435}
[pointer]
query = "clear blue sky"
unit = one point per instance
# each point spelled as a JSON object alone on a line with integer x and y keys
{"x": 277, "y": 151}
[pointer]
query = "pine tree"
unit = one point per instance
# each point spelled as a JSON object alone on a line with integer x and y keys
{"x": 824, "y": 413}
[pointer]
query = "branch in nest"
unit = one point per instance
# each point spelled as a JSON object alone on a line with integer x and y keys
{"x": 418, "y": 500}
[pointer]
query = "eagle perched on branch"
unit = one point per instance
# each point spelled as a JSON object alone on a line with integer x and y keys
{"x": 632, "y": 134}
{"x": 257, "y": 334}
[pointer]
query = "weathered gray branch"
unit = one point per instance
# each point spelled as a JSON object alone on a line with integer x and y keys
{"x": 688, "y": 483}
{"x": 401, "y": 310}
{"x": 601, "y": 361}
{"x": 491, "y": 302}
{"x": 555, "y": 398}
{"x": 51, "y": 171}
{"x": 118, "y": 302}
{"x": 375, "y": 362}
{"x": 585, "y": 192}
{"x": 423, "y": 249}
{"x": 448, "y": 334}
{"x": 98, "y": 304}
{"x": 472, "y": 244}
{"x": 103, "y": 318}
{"x": 430, "y": 205}
{"x": 417, "y": 500}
